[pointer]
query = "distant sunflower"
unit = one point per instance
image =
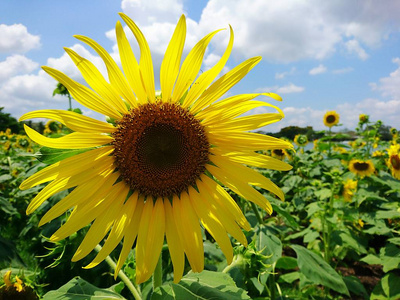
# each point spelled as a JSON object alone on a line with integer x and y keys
{"x": 331, "y": 118}
{"x": 155, "y": 169}
{"x": 279, "y": 153}
{"x": 349, "y": 188}
{"x": 361, "y": 168}
{"x": 363, "y": 118}
{"x": 301, "y": 140}
{"x": 393, "y": 161}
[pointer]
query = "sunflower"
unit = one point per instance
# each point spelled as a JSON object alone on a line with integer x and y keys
{"x": 361, "y": 168}
{"x": 363, "y": 118}
{"x": 349, "y": 188}
{"x": 331, "y": 118}
{"x": 280, "y": 153}
{"x": 301, "y": 140}
{"x": 393, "y": 161}
{"x": 155, "y": 169}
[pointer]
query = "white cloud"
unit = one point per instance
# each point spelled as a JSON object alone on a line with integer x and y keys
{"x": 16, "y": 39}
{"x": 343, "y": 70}
{"x": 390, "y": 86}
{"x": 16, "y": 64}
{"x": 318, "y": 70}
{"x": 284, "y": 74}
{"x": 353, "y": 46}
{"x": 286, "y": 89}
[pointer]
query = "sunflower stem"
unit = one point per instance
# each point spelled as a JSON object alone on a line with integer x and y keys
{"x": 157, "y": 275}
{"x": 257, "y": 213}
{"x": 128, "y": 283}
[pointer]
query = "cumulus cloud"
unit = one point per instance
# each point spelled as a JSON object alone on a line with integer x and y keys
{"x": 353, "y": 46}
{"x": 390, "y": 86}
{"x": 286, "y": 89}
{"x": 284, "y": 74}
{"x": 16, "y": 64}
{"x": 318, "y": 70}
{"x": 16, "y": 39}
{"x": 343, "y": 70}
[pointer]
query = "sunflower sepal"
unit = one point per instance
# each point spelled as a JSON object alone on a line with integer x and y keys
{"x": 50, "y": 156}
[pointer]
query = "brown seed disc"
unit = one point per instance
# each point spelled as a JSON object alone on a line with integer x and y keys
{"x": 278, "y": 152}
{"x": 330, "y": 119}
{"x": 361, "y": 166}
{"x": 160, "y": 149}
{"x": 395, "y": 161}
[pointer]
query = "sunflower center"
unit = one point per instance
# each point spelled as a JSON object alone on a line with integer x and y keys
{"x": 395, "y": 162}
{"x": 331, "y": 119}
{"x": 160, "y": 149}
{"x": 278, "y": 152}
{"x": 361, "y": 166}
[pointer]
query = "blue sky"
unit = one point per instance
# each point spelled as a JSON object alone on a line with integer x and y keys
{"x": 318, "y": 55}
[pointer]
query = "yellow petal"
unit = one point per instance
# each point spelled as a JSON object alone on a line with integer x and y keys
{"x": 75, "y": 140}
{"x": 172, "y": 59}
{"x": 191, "y": 67}
{"x": 145, "y": 63}
{"x": 253, "y": 177}
{"x": 130, "y": 66}
{"x": 223, "y": 84}
{"x": 83, "y": 95}
{"x": 240, "y": 187}
{"x": 87, "y": 212}
{"x": 96, "y": 80}
{"x": 115, "y": 75}
{"x": 254, "y": 159}
{"x": 67, "y": 167}
{"x": 242, "y": 141}
{"x": 207, "y": 77}
{"x": 130, "y": 234}
{"x": 125, "y": 213}
{"x": 79, "y": 195}
{"x": 225, "y": 201}
{"x": 212, "y": 224}
{"x": 174, "y": 243}
{"x": 247, "y": 123}
{"x": 72, "y": 120}
{"x": 188, "y": 226}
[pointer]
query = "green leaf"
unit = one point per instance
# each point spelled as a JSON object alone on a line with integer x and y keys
{"x": 388, "y": 288}
{"x": 5, "y": 178}
{"x": 79, "y": 289}
{"x": 371, "y": 259}
{"x": 323, "y": 194}
{"x": 204, "y": 285}
{"x": 50, "y": 155}
{"x": 290, "y": 220}
{"x": 269, "y": 244}
{"x": 7, "y": 207}
{"x": 387, "y": 214}
{"x": 390, "y": 256}
{"x": 289, "y": 277}
{"x": 355, "y": 286}
{"x": 317, "y": 270}
{"x": 286, "y": 263}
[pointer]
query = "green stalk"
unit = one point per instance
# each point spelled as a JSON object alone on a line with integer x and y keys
{"x": 121, "y": 275}
{"x": 157, "y": 275}
{"x": 257, "y": 213}
{"x": 330, "y": 141}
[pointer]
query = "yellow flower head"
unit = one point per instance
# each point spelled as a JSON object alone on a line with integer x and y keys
{"x": 154, "y": 171}
{"x": 361, "y": 168}
{"x": 349, "y": 188}
{"x": 364, "y": 118}
{"x": 393, "y": 161}
{"x": 301, "y": 140}
{"x": 279, "y": 153}
{"x": 331, "y": 118}
{"x": 393, "y": 131}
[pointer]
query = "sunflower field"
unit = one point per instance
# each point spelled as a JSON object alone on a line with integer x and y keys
{"x": 336, "y": 235}
{"x": 177, "y": 194}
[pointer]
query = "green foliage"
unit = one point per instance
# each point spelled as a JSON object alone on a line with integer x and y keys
{"x": 7, "y": 121}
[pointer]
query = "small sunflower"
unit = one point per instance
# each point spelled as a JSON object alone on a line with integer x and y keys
{"x": 301, "y": 140}
{"x": 349, "y": 188}
{"x": 279, "y": 153}
{"x": 363, "y": 118}
{"x": 361, "y": 168}
{"x": 393, "y": 161}
{"x": 393, "y": 131}
{"x": 331, "y": 118}
{"x": 154, "y": 171}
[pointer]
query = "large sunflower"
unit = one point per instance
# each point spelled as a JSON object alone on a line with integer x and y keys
{"x": 361, "y": 168}
{"x": 155, "y": 169}
{"x": 331, "y": 118}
